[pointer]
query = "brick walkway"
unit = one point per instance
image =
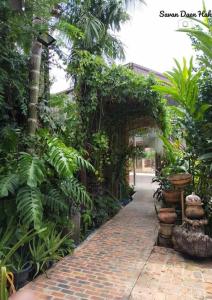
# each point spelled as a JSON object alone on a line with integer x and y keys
{"x": 107, "y": 265}
{"x": 170, "y": 276}
{"x": 120, "y": 261}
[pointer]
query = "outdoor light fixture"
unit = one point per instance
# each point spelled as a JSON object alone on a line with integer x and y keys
{"x": 46, "y": 39}
{"x": 17, "y": 5}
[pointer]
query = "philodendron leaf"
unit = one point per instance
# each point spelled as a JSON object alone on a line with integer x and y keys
{"x": 31, "y": 170}
{"x": 8, "y": 184}
{"x": 30, "y": 206}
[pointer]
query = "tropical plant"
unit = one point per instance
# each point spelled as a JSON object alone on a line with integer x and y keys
{"x": 48, "y": 248}
{"x": 31, "y": 175}
{"x": 5, "y": 278}
{"x": 182, "y": 86}
{"x": 204, "y": 38}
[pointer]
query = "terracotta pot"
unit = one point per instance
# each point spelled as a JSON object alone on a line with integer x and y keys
{"x": 167, "y": 215}
{"x": 171, "y": 196}
{"x": 181, "y": 179}
{"x": 194, "y": 211}
{"x": 165, "y": 230}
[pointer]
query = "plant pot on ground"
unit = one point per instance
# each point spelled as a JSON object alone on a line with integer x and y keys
{"x": 21, "y": 275}
{"x": 21, "y": 267}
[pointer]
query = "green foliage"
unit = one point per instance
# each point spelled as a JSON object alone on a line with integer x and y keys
{"x": 48, "y": 248}
{"x": 65, "y": 160}
{"x": 105, "y": 207}
{"x": 8, "y": 184}
{"x": 56, "y": 201}
{"x": 96, "y": 21}
{"x": 76, "y": 191}
{"x": 30, "y": 207}
{"x": 182, "y": 86}
{"x": 3, "y": 283}
{"x": 31, "y": 170}
{"x": 204, "y": 38}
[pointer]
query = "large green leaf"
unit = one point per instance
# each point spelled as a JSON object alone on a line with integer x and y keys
{"x": 56, "y": 201}
{"x": 76, "y": 191}
{"x": 30, "y": 206}
{"x": 66, "y": 160}
{"x": 8, "y": 184}
{"x": 31, "y": 170}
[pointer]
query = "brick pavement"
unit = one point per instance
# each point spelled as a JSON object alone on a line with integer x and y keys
{"x": 107, "y": 265}
{"x": 170, "y": 276}
{"x": 120, "y": 261}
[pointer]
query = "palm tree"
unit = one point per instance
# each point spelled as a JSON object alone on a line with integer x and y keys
{"x": 98, "y": 21}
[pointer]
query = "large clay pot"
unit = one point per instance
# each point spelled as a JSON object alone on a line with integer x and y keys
{"x": 194, "y": 210}
{"x": 171, "y": 196}
{"x": 167, "y": 215}
{"x": 180, "y": 180}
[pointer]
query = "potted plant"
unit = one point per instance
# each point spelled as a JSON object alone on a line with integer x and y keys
{"x": 21, "y": 267}
{"x": 166, "y": 191}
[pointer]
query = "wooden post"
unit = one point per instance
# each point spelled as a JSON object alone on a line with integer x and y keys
{"x": 182, "y": 205}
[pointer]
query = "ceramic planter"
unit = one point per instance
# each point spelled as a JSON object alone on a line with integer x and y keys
{"x": 171, "y": 196}
{"x": 167, "y": 215}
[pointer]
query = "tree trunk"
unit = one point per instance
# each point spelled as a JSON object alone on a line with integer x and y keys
{"x": 34, "y": 77}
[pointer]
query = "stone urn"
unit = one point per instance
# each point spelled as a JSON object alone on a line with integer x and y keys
{"x": 167, "y": 215}
{"x": 194, "y": 208}
{"x": 171, "y": 196}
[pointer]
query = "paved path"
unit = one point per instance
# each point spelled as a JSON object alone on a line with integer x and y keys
{"x": 107, "y": 265}
{"x": 120, "y": 261}
{"x": 170, "y": 276}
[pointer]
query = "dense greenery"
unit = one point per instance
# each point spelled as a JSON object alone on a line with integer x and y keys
{"x": 188, "y": 146}
{"x": 43, "y": 151}
{"x": 109, "y": 98}
{"x": 62, "y": 156}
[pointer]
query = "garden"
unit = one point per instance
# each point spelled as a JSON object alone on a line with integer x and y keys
{"x": 64, "y": 160}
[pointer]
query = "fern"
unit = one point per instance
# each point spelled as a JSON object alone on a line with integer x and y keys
{"x": 30, "y": 206}
{"x": 31, "y": 170}
{"x": 65, "y": 160}
{"x": 72, "y": 188}
{"x": 56, "y": 201}
{"x": 8, "y": 184}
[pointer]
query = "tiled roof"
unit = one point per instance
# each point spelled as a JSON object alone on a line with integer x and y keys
{"x": 145, "y": 71}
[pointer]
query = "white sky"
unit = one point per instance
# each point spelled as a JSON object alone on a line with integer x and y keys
{"x": 151, "y": 40}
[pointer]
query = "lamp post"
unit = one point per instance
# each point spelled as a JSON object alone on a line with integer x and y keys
{"x": 46, "y": 39}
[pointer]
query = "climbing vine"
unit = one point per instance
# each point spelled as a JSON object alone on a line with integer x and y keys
{"x": 109, "y": 97}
